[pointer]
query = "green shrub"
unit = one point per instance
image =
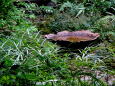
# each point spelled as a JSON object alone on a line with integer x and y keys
{"x": 72, "y": 9}
{"x": 62, "y": 1}
{"x": 107, "y": 23}
{"x": 98, "y": 5}
{"x": 5, "y": 7}
{"x": 64, "y": 21}
{"x": 106, "y": 27}
{"x": 16, "y": 19}
{"x": 26, "y": 59}
{"x": 21, "y": 54}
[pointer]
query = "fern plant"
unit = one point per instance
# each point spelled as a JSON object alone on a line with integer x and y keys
{"x": 99, "y": 6}
{"x": 72, "y": 9}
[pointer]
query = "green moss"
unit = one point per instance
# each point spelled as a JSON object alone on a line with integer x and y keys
{"x": 107, "y": 23}
{"x": 106, "y": 27}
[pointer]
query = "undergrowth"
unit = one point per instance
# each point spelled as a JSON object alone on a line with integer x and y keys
{"x": 27, "y": 58}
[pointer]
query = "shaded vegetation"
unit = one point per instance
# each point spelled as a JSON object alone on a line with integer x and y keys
{"x": 27, "y": 58}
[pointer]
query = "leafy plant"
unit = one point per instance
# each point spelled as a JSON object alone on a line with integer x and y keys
{"x": 26, "y": 58}
{"x": 105, "y": 26}
{"x": 5, "y": 6}
{"x": 62, "y": 1}
{"x": 72, "y": 9}
{"x": 16, "y": 19}
{"x": 47, "y": 9}
{"x": 20, "y": 55}
{"x": 98, "y": 5}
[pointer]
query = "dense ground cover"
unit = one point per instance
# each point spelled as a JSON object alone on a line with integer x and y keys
{"x": 27, "y": 58}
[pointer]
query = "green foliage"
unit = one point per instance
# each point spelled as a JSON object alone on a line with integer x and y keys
{"x": 47, "y": 9}
{"x": 64, "y": 21}
{"x": 72, "y": 9}
{"x": 106, "y": 27}
{"x": 107, "y": 23}
{"x": 26, "y": 58}
{"x": 16, "y": 19}
{"x": 98, "y": 5}
{"x": 68, "y": 17}
{"x": 62, "y": 1}
{"x": 105, "y": 52}
{"x": 73, "y": 16}
{"x": 5, "y": 7}
{"x": 25, "y": 51}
